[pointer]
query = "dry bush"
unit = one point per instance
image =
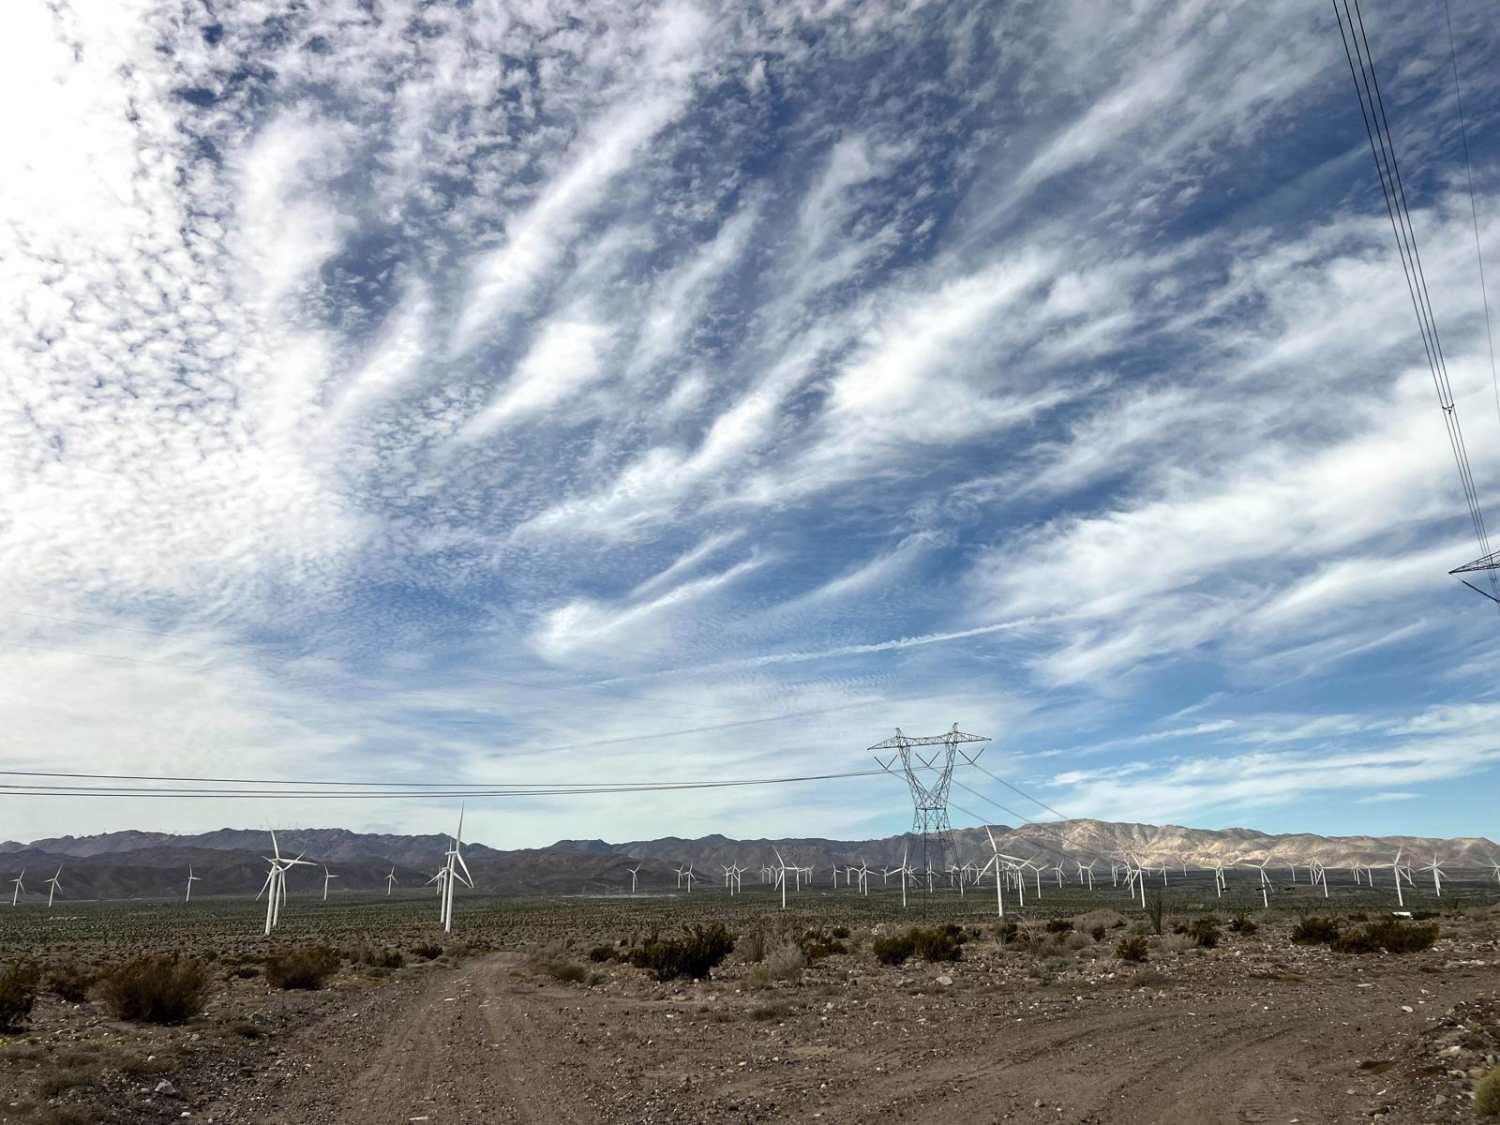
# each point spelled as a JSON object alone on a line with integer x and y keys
{"x": 1132, "y": 948}
{"x": 1315, "y": 931}
{"x": 1177, "y": 943}
{"x": 305, "y": 967}
{"x": 1073, "y": 943}
{"x": 1391, "y": 936}
{"x": 939, "y": 943}
{"x": 156, "y": 989}
{"x": 694, "y": 955}
{"x": 427, "y": 950}
{"x": 784, "y": 963}
{"x": 560, "y": 968}
{"x": 1242, "y": 924}
{"x": 1487, "y": 1095}
{"x": 70, "y": 981}
{"x": 18, "y": 983}
{"x": 378, "y": 957}
{"x": 1204, "y": 931}
{"x": 774, "y": 1010}
{"x": 1092, "y": 920}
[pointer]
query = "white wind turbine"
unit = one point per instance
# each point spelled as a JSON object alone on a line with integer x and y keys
{"x": 1265, "y": 882}
{"x": 390, "y": 881}
{"x": 998, "y": 861}
{"x": 1496, "y": 867}
{"x": 191, "y": 880}
{"x": 451, "y": 875}
{"x": 15, "y": 895}
{"x": 326, "y": 879}
{"x": 1395, "y": 866}
{"x": 782, "y": 867}
{"x": 1436, "y": 868}
{"x": 906, "y": 872}
{"x": 53, "y": 886}
{"x": 1058, "y": 870}
{"x": 634, "y": 871}
{"x": 275, "y": 882}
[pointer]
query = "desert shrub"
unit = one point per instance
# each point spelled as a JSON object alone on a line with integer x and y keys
{"x": 1076, "y": 942}
{"x": 1131, "y": 948}
{"x": 1487, "y": 1095}
{"x": 784, "y": 963}
{"x": 1242, "y": 924}
{"x": 1156, "y": 911}
{"x": 602, "y": 953}
{"x": 815, "y": 945}
{"x": 560, "y": 968}
{"x": 156, "y": 989}
{"x": 893, "y": 949}
{"x": 301, "y": 967}
{"x": 380, "y": 957}
{"x": 841, "y": 932}
{"x": 1391, "y": 936}
{"x": 427, "y": 950}
{"x": 1059, "y": 925}
{"x": 1006, "y": 932}
{"x": 18, "y": 982}
{"x": 70, "y": 981}
{"x": 940, "y": 943}
{"x": 245, "y": 972}
{"x": 1315, "y": 931}
{"x": 754, "y": 947}
{"x": 693, "y": 955}
{"x": 245, "y": 1029}
{"x": 1204, "y": 931}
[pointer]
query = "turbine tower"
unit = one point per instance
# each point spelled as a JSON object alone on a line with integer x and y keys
{"x": 929, "y": 794}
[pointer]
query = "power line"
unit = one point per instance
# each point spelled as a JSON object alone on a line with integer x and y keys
{"x": 1463, "y": 132}
{"x": 1393, "y": 189}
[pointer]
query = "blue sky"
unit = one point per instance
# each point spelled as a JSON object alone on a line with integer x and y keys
{"x": 407, "y": 392}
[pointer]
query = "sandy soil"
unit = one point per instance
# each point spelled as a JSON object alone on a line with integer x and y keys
{"x": 1226, "y": 1037}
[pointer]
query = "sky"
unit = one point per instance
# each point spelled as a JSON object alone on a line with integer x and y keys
{"x": 539, "y": 392}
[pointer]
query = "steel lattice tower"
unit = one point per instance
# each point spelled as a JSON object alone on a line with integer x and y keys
{"x": 929, "y": 798}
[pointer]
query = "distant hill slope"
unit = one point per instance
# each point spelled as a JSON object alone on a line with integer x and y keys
{"x": 119, "y": 865}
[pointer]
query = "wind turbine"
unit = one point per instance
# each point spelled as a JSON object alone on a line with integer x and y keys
{"x": 1265, "y": 882}
{"x": 390, "y": 881}
{"x": 191, "y": 880}
{"x": 634, "y": 871}
{"x": 15, "y": 895}
{"x": 275, "y": 882}
{"x": 996, "y": 863}
{"x": 905, "y": 871}
{"x": 1496, "y": 867}
{"x": 453, "y": 860}
{"x": 53, "y": 886}
{"x": 326, "y": 878}
{"x": 1396, "y": 872}
{"x": 1436, "y": 868}
{"x": 782, "y": 867}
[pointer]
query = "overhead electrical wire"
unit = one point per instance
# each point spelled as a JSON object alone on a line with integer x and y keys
{"x": 1463, "y": 132}
{"x": 1393, "y": 189}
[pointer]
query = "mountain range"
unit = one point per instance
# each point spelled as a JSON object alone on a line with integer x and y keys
{"x": 144, "y": 865}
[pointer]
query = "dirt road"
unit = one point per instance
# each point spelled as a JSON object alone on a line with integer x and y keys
{"x": 489, "y": 1042}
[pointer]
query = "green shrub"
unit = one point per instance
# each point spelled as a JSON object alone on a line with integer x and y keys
{"x": 18, "y": 983}
{"x": 301, "y": 967}
{"x": 893, "y": 949}
{"x": 1156, "y": 911}
{"x": 427, "y": 950}
{"x": 1390, "y": 935}
{"x": 70, "y": 982}
{"x": 693, "y": 955}
{"x": 156, "y": 989}
{"x": 1315, "y": 931}
{"x": 940, "y": 943}
{"x": 1131, "y": 949}
{"x": 1487, "y": 1095}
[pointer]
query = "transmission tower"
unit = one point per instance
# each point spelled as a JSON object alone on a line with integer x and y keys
{"x": 929, "y": 796}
